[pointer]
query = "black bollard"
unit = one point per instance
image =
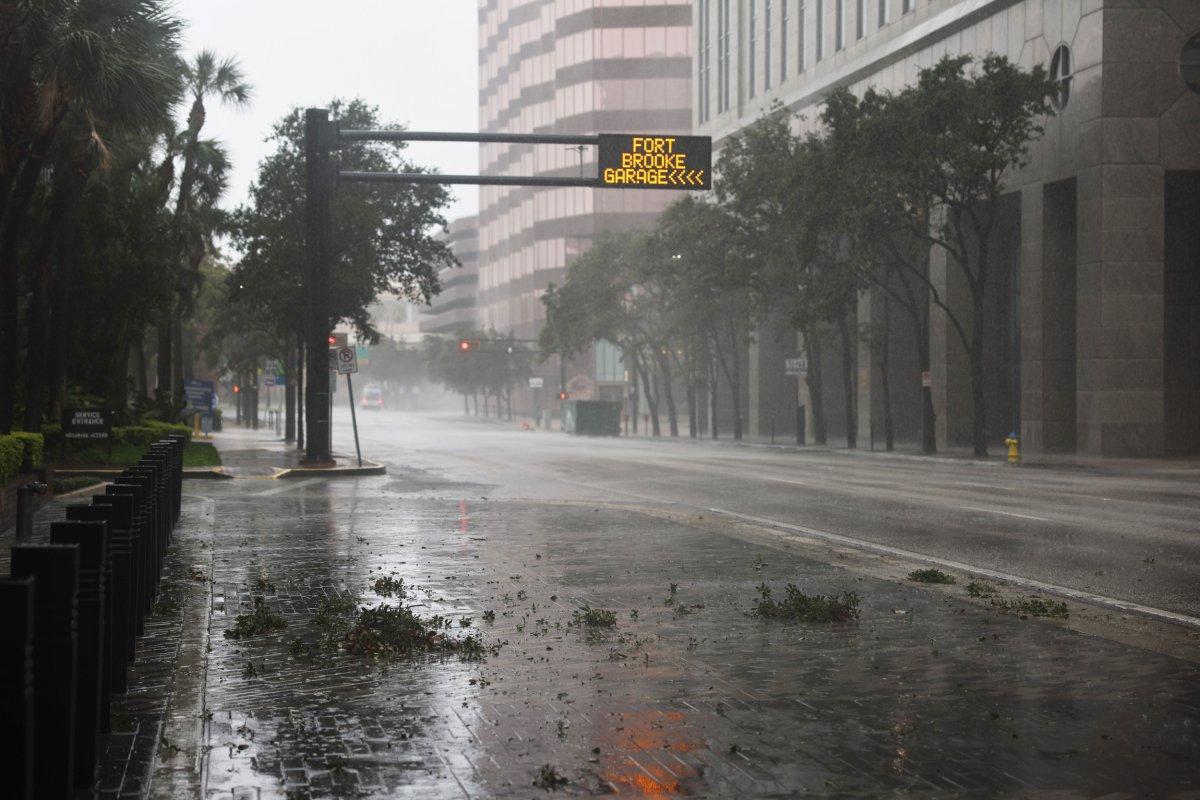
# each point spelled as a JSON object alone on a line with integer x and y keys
{"x": 140, "y": 551}
{"x": 92, "y": 541}
{"x": 16, "y": 686}
{"x": 149, "y": 516}
{"x": 168, "y": 450}
{"x": 25, "y": 504}
{"x": 118, "y": 509}
{"x": 181, "y": 442}
{"x": 56, "y": 569}
{"x": 115, "y": 564}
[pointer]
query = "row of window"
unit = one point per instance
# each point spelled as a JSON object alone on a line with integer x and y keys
{"x": 763, "y": 32}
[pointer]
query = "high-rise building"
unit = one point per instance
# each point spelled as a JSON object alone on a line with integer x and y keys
{"x": 1093, "y": 321}
{"x": 457, "y": 307}
{"x": 568, "y": 67}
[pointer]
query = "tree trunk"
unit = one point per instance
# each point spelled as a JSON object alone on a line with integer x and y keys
{"x": 139, "y": 362}
{"x": 651, "y": 399}
{"x": 289, "y": 393}
{"x": 300, "y": 393}
{"x": 851, "y": 396}
{"x": 693, "y": 426}
{"x": 885, "y": 384}
{"x": 712, "y": 388}
{"x": 978, "y": 396}
{"x": 816, "y": 387}
{"x": 664, "y": 368}
{"x": 11, "y": 228}
{"x": 163, "y": 390}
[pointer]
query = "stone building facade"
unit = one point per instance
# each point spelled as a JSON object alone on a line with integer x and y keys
{"x": 457, "y": 307}
{"x": 568, "y": 67}
{"x": 1093, "y": 325}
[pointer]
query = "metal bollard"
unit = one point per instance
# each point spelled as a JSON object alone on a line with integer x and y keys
{"x": 101, "y": 515}
{"x": 25, "y": 495}
{"x": 56, "y": 570}
{"x": 139, "y": 550}
{"x": 92, "y": 541}
{"x": 118, "y": 511}
{"x": 16, "y": 686}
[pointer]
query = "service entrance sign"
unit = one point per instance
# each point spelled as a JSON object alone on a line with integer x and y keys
{"x": 87, "y": 423}
{"x": 643, "y": 161}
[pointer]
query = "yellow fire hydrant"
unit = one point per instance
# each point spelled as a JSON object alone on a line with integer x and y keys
{"x": 1014, "y": 451}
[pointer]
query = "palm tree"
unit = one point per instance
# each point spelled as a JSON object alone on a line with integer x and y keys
{"x": 205, "y": 77}
{"x": 84, "y": 57}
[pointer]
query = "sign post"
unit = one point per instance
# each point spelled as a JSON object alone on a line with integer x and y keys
{"x": 798, "y": 369}
{"x": 625, "y": 161}
{"x": 347, "y": 364}
{"x": 87, "y": 424}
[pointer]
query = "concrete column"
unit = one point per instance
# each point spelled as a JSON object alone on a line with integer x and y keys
{"x": 865, "y": 380}
{"x": 1032, "y": 311}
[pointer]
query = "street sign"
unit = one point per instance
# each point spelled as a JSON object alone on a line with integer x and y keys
{"x": 795, "y": 366}
{"x": 364, "y": 354}
{"x": 347, "y": 360}
{"x": 199, "y": 394}
{"x": 87, "y": 423}
{"x": 643, "y": 161}
{"x": 537, "y": 383}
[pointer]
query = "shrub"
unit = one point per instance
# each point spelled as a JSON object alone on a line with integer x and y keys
{"x": 12, "y": 453}
{"x": 799, "y": 607}
{"x": 34, "y": 445}
{"x": 930, "y": 576}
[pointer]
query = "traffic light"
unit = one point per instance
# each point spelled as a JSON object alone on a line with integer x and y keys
{"x": 237, "y": 389}
{"x": 562, "y": 395}
{"x": 467, "y": 345}
{"x": 332, "y": 340}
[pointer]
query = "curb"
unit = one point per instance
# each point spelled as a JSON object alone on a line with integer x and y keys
{"x": 200, "y": 473}
{"x": 368, "y": 468}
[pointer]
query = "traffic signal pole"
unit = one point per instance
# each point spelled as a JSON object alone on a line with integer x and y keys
{"x": 666, "y": 162}
{"x": 319, "y": 137}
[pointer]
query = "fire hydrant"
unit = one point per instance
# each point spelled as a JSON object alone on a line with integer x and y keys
{"x": 1014, "y": 451}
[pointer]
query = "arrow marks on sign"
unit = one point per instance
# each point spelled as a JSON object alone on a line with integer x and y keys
{"x": 696, "y": 177}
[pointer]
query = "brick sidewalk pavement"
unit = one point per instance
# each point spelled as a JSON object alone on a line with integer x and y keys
{"x": 926, "y": 694}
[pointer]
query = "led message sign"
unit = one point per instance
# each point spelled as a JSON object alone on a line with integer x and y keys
{"x": 641, "y": 161}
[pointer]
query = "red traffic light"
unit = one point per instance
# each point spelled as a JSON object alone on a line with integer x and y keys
{"x": 332, "y": 340}
{"x": 467, "y": 345}
{"x": 562, "y": 395}
{"x": 236, "y": 389}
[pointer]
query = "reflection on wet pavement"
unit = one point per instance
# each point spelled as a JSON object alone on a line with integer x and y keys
{"x": 925, "y": 694}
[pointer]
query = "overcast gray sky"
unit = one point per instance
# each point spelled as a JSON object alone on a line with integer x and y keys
{"x": 415, "y": 59}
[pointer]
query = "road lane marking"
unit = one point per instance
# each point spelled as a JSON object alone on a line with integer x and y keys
{"x": 290, "y": 486}
{"x": 1064, "y": 591}
{"x": 1005, "y": 513}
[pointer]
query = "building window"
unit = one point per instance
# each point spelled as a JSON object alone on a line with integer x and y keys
{"x": 839, "y": 24}
{"x": 819, "y": 50}
{"x": 753, "y": 80}
{"x": 1189, "y": 63}
{"x": 800, "y": 10}
{"x": 703, "y": 54}
{"x": 723, "y": 37}
{"x": 783, "y": 37}
{"x": 1060, "y": 73}
{"x": 908, "y": 6}
{"x": 860, "y": 18}
{"x": 883, "y": 11}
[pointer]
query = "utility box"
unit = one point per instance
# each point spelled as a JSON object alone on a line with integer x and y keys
{"x": 592, "y": 417}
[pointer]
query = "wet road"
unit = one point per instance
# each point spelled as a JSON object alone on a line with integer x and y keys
{"x": 1127, "y": 533}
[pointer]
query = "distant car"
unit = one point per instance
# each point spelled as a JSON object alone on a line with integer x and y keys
{"x": 372, "y": 398}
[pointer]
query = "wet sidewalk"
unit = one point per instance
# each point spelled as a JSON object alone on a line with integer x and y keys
{"x": 931, "y": 692}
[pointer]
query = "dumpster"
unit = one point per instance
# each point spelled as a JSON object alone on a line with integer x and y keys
{"x": 592, "y": 417}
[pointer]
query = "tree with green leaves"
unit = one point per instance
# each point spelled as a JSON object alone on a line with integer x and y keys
{"x": 968, "y": 124}
{"x": 204, "y": 77}
{"x": 68, "y": 68}
{"x": 381, "y": 234}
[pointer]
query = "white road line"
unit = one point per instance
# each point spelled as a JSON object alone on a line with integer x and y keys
{"x": 1005, "y": 513}
{"x": 1087, "y": 597}
{"x": 289, "y": 486}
